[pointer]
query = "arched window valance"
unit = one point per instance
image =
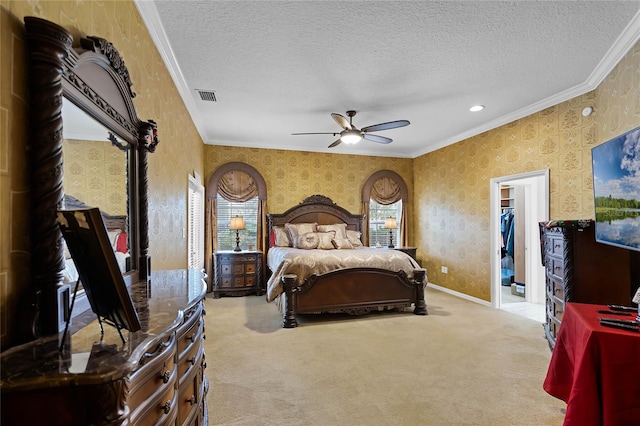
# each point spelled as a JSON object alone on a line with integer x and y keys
{"x": 237, "y": 186}
{"x": 386, "y": 187}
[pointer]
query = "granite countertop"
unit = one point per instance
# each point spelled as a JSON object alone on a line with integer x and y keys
{"x": 89, "y": 357}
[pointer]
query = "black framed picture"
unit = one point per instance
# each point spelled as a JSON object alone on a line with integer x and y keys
{"x": 88, "y": 242}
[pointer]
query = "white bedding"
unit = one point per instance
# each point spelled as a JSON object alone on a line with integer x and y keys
{"x": 303, "y": 263}
{"x": 70, "y": 272}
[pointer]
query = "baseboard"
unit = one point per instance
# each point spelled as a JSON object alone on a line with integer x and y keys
{"x": 458, "y": 294}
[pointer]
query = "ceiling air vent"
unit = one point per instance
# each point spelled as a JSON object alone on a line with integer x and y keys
{"x": 208, "y": 95}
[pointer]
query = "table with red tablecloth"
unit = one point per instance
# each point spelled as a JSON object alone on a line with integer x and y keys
{"x": 595, "y": 369}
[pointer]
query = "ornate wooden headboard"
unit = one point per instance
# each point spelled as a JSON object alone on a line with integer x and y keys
{"x": 112, "y": 222}
{"x": 316, "y": 208}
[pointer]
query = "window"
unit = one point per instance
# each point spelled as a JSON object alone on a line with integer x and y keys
{"x": 195, "y": 243}
{"x": 377, "y": 214}
{"x": 225, "y": 211}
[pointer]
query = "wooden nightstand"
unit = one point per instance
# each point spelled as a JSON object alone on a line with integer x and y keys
{"x": 237, "y": 273}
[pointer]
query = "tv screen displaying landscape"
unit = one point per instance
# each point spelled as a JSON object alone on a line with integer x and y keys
{"x": 616, "y": 186}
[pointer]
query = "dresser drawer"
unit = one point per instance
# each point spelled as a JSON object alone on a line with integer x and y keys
{"x": 162, "y": 410}
{"x": 191, "y": 331}
{"x": 159, "y": 372}
{"x": 190, "y": 363}
{"x": 555, "y": 288}
{"x": 555, "y": 246}
{"x": 188, "y": 400}
{"x": 555, "y": 267}
{"x": 235, "y": 258}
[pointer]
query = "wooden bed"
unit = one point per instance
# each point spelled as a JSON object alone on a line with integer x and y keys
{"x": 354, "y": 291}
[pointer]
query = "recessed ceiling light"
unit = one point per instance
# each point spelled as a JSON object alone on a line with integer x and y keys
{"x": 476, "y": 108}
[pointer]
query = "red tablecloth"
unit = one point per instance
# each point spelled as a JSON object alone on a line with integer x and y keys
{"x": 595, "y": 369}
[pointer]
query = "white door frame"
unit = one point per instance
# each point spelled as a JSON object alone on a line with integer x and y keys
{"x": 537, "y": 202}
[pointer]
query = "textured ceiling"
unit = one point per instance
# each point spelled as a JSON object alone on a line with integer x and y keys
{"x": 281, "y": 67}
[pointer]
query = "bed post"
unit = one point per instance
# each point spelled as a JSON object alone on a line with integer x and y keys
{"x": 289, "y": 312}
{"x": 419, "y": 278}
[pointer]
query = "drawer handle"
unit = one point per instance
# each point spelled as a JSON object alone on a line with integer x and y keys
{"x": 165, "y": 377}
{"x": 557, "y": 245}
{"x": 166, "y": 407}
{"x": 556, "y": 267}
{"x": 193, "y": 360}
{"x": 192, "y": 400}
{"x": 204, "y": 365}
{"x": 193, "y": 337}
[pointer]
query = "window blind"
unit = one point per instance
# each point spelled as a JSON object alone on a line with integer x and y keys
{"x": 377, "y": 214}
{"x": 225, "y": 211}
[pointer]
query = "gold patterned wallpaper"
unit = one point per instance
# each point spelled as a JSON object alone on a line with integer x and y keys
{"x": 291, "y": 176}
{"x": 95, "y": 173}
{"x": 451, "y": 189}
{"x": 157, "y": 99}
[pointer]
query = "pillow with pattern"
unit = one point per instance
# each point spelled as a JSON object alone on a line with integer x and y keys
{"x": 325, "y": 240}
{"x": 307, "y": 241}
{"x": 281, "y": 237}
{"x": 339, "y": 228}
{"x": 342, "y": 243}
{"x": 354, "y": 238}
{"x": 296, "y": 229}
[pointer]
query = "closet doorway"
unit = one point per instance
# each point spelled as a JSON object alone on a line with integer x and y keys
{"x": 518, "y": 203}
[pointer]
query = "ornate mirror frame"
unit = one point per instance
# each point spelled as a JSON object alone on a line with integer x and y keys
{"x": 95, "y": 78}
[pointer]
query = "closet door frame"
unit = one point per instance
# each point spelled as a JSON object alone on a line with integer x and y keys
{"x": 495, "y": 197}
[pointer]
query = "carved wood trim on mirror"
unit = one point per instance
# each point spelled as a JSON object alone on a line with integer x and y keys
{"x": 93, "y": 76}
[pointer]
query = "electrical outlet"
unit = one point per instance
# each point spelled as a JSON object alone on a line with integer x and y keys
{"x": 445, "y": 270}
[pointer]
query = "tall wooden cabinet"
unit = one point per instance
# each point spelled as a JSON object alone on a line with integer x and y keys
{"x": 155, "y": 378}
{"x": 578, "y": 269}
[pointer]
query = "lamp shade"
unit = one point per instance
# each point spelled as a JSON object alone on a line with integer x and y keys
{"x": 390, "y": 223}
{"x": 237, "y": 222}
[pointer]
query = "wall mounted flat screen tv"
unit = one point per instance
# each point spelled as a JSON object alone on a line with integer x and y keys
{"x": 616, "y": 187}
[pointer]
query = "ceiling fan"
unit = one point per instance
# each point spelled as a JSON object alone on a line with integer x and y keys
{"x": 351, "y": 135}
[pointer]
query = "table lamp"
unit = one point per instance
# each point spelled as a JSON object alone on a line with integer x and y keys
{"x": 390, "y": 223}
{"x": 237, "y": 223}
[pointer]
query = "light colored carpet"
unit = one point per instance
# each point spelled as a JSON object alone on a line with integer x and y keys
{"x": 463, "y": 364}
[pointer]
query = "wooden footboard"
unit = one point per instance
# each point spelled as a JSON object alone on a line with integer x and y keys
{"x": 354, "y": 290}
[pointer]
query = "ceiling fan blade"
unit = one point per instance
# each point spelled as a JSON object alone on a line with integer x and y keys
{"x": 386, "y": 126}
{"x": 336, "y": 143}
{"x": 330, "y": 133}
{"x": 376, "y": 138}
{"x": 343, "y": 122}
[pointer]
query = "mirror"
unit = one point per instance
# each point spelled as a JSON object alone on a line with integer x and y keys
{"x": 92, "y": 77}
{"x": 94, "y": 175}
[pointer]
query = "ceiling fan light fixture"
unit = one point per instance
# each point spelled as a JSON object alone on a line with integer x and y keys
{"x": 350, "y": 137}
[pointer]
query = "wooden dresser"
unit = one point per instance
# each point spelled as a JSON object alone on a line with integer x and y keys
{"x": 237, "y": 273}
{"x": 155, "y": 378}
{"x": 578, "y": 269}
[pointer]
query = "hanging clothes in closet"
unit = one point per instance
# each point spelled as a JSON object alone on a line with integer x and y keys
{"x": 507, "y": 224}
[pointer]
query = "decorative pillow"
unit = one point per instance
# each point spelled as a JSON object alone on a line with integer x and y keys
{"x": 296, "y": 229}
{"x": 339, "y": 228}
{"x": 354, "y": 238}
{"x": 307, "y": 241}
{"x": 281, "y": 237}
{"x": 325, "y": 240}
{"x": 113, "y": 238}
{"x": 342, "y": 243}
{"x": 122, "y": 244}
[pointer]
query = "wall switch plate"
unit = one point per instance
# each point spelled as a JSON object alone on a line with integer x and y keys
{"x": 445, "y": 270}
